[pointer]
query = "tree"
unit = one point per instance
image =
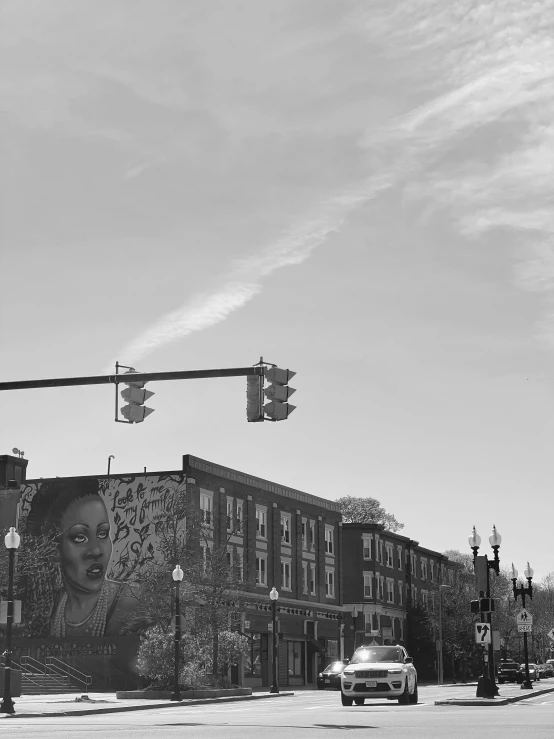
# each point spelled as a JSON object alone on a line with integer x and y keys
{"x": 367, "y": 510}
{"x": 212, "y": 592}
{"x": 421, "y": 645}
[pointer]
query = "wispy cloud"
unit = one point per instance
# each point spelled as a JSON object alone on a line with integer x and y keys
{"x": 245, "y": 279}
{"x": 492, "y": 70}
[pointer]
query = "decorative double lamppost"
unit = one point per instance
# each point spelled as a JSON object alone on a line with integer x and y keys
{"x": 486, "y": 687}
{"x": 523, "y": 591}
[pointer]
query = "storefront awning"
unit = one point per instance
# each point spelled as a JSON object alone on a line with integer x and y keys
{"x": 301, "y": 637}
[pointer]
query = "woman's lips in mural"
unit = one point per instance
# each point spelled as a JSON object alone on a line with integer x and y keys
{"x": 95, "y": 571}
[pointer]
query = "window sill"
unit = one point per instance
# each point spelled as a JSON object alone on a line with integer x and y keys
{"x": 261, "y": 585}
{"x": 286, "y": 590}
{"x": 331, "y": 597}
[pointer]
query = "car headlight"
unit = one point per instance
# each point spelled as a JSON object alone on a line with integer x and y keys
{"x": 320, "y": 674}
{"x": 395, "y": 671}
{"x": 348, "y": 672}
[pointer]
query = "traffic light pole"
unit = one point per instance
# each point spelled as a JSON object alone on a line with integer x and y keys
{"x": 131, "y": 377}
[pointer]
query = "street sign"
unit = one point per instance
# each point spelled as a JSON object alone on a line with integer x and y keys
{"x": 482, "y": 633}
{"x": 525, "y": 628}
{"x": 550, "y": 635}
{"x": 16, "y": 612}
{"x": 524, "y": 617}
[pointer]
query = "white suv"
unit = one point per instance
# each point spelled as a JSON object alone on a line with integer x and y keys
{"x": 379, "y": 672}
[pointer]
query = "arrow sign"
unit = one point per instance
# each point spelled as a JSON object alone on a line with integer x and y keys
{"x": 550, "y": 635}
{"x": 482, "y": 633}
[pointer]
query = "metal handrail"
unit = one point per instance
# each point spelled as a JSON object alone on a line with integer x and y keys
{"x": 69, "y": 671}
{"x": 40, "y": 671}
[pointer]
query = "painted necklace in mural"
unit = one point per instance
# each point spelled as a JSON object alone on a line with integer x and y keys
{"x": 95, "y": 621}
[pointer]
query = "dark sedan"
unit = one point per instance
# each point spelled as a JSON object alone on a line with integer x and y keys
{"x": 329, "y": 679}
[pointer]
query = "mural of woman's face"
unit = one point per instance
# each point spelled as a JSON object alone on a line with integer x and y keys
{"x": 84, "y": 545}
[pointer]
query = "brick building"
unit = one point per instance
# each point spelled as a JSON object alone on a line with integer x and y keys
{"x": 383, "y": 573}
{"x": 286, "y": 539}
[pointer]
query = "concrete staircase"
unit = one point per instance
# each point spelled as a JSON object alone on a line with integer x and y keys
{"x": 37, "y": 683}
{"x": 49, "y": 677}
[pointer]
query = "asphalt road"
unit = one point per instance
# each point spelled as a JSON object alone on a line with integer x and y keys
{"x": 306, "y": 714}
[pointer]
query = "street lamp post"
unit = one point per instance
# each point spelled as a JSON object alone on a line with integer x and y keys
{"x": 11, "y": 540}
{"x": 274, "y": 595}
{"x": 523, "y": 591}
{"x": 112, "y": 456}
{"x": 487, "y": 687}
{"x": 177, "y": 575}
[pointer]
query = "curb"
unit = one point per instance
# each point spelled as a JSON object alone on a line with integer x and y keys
{"x": 172, "y": 704}
{"x": 493, "y": 701}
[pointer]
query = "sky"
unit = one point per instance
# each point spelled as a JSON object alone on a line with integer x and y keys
{"x": 360, "y": 192}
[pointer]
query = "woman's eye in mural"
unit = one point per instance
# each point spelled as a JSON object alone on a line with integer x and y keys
{"x": 79, "y": 538}
{"x": 103, "y": 533}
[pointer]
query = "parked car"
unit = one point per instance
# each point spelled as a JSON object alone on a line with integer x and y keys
{"x": 329, "y": 678}
{"x": 533, "y": 671}
{"x": 379, "y": 672}
{"x": 509, "y": 672}
{"x": 546, "y": 670}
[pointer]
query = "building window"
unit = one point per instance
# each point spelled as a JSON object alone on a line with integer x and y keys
{"x": 432, "y": 566}
{"x": 413, "y": 564}
{"x": 400, "y": 593}
{"x": 206, "y": 508}
{"x": 285, "y": 528}
{"x": 229, "y": 557}
{"x": 240, "y": 514}
{"x": 229, "y": 514}
{"x": 304, "y": 534}
{"x": 312, "y": 578}
{"x": 451, "y": 577}
{"x": 240, "y": 565}
{"x": 285, "y": 574}
{"x": 294, "y": 649}
{"x": 399, "y": 548}
{"x": 261, "y": 523}
{"x": 261, "y": 570}
{"x": 390, "y": 590}
{"x": 382, "y": 587}
{"x": 414, "y": 595}
{"x": 425, "y": 599}
{"x": 253, "y": 663}
{"x": 329, "y": 542}
{"x": 305, "y": 583}
{"x": 329, "y": 582}
{"x": 390, "y": 555}
{"x": 312, "y": 535}
{"x": 423, "y": 569}
{"x": 367, "y": 546}
{"x": 368, "y": 585}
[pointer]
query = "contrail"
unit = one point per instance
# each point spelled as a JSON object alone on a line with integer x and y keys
{"x": 245, "y": 280}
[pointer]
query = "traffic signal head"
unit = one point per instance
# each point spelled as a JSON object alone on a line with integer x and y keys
{"x": 254, "y": 410}
{"x": 278, "y": 393}
{"x": 135, "y": 411}
{"x": 475, "y": 606}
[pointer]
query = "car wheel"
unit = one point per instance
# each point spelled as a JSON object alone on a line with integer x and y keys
{"x": 359, "y": 701}
{"x": 345, "y": 700}
{"x": 404, "y": 699}
{"x": 414, "y": 695}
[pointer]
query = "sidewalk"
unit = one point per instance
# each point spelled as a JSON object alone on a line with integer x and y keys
{"x": 69, "y": 704}
{"x": 508, "y": 693}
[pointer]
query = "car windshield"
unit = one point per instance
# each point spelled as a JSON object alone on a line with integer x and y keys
{"x": 334, "y": 667}
{"x": 509, "y": 666}
{"x": 378, "y": 654}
